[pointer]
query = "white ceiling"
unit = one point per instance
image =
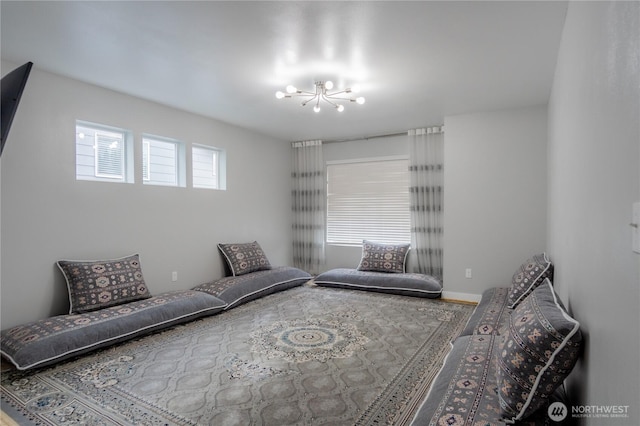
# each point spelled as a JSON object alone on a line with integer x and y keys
{"x": 414, "y": 61}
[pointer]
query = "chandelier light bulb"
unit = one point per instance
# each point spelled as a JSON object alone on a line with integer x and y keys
{"x": 316, "y": 108}
{"x": 328, "y": 85}
{"x": 279, "y": 94}
{"x": 340, "y": 108}
{"x": 360, "y": 100}
{"x": 291, "y": 89}
{"x": 355, "y": 89}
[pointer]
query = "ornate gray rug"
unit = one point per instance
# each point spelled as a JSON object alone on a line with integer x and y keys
{"x": 309, "y": 355}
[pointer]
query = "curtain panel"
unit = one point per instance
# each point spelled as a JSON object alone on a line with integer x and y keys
{"x": 308, "y": 205}
{"x": 426, "y": 194}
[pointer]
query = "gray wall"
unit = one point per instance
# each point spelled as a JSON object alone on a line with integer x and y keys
{"x": 47, "y": 215}
{"x": 594, "y": 177}
{"x": 495, "y": 195}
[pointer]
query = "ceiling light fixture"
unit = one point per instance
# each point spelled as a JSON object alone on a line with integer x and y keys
{"x": 321, "y": 94}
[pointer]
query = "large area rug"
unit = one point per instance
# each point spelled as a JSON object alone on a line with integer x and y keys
{"x": 308, "y": 355}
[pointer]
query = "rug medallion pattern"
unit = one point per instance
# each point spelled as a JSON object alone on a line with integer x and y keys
{"x": 308, "y": 355}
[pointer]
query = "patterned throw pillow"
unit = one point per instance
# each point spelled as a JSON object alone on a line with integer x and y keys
{"x": 244, "y": 258}
{"x": 538, "y": 352}
{"x": 98, "y": 284}
{"x": 383, "y": 257}
{"x": 528, "y": 276}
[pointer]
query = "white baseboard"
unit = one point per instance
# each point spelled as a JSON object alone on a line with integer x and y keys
{"x": 466, "y": 297}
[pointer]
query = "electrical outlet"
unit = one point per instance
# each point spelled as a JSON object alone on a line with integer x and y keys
{"x": 467, "y": 273}
{"x": 174, "y": 276}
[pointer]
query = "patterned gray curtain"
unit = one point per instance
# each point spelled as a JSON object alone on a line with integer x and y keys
{"x": 426, "y": 158}
{"x": 308, "y": 201}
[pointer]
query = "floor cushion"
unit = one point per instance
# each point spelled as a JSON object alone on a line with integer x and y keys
{"x": 54, "y": 339}
{"x": 239, "y": 289}
{"x": 406, "y": 284}
{"x": 465, "y": 391}
{"x": 491, "y": 315}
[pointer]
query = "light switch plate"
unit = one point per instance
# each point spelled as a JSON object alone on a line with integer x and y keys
{"x": 635, "y": 228}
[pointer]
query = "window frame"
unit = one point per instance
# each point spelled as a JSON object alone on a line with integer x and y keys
{"x": 178, "y": 166}
{"x": 219, "y": 164}
{"x": 108, "y": 132}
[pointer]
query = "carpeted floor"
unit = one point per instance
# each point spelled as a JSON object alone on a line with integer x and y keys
{"x": 309, "y": 355}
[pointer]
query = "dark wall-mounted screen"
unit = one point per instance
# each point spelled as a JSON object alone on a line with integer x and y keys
{"x": 12, "y": 86}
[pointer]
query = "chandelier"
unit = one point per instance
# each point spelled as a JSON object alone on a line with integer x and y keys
{"x": 321, "y": 94}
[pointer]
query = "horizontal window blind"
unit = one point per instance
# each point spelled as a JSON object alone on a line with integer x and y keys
{"x": 110, "y": 156}
{"x": 368, "y": 200}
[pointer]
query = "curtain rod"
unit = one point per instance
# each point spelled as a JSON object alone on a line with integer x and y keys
{"x": 366, "y": 138}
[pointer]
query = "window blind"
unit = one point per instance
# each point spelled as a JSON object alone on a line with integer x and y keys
{"x": 110, "y": 156}
{"x": 368, "y": 200}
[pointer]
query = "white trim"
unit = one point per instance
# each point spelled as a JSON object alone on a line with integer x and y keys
{"x": 342, "y": 284}
{"x": 465, "y": 297}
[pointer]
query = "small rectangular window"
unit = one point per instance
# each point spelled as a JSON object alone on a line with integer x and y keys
{"x": 103, "y": 153}
{"x": 368, "y": 200}
{"x": 207, "y": 164}
{"x": 161, "y": 161}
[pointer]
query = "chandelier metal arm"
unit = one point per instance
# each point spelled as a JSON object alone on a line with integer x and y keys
{"x": 337, "y": 98}
{"x": 321, "y": 94}
{"x": 348, "y": 90}
{"x": 327, "y": 99}
{"x": 299, "y": 93}
{"x": 310, "y": 99}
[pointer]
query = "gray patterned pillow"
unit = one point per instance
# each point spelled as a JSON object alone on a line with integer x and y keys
{"x": 383, "y": 257}
{"x": 528, "y": 276}
{"x": 97, "y": 284}
{"x": 244, "y": 258}
{"x": 538, "y": 352}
